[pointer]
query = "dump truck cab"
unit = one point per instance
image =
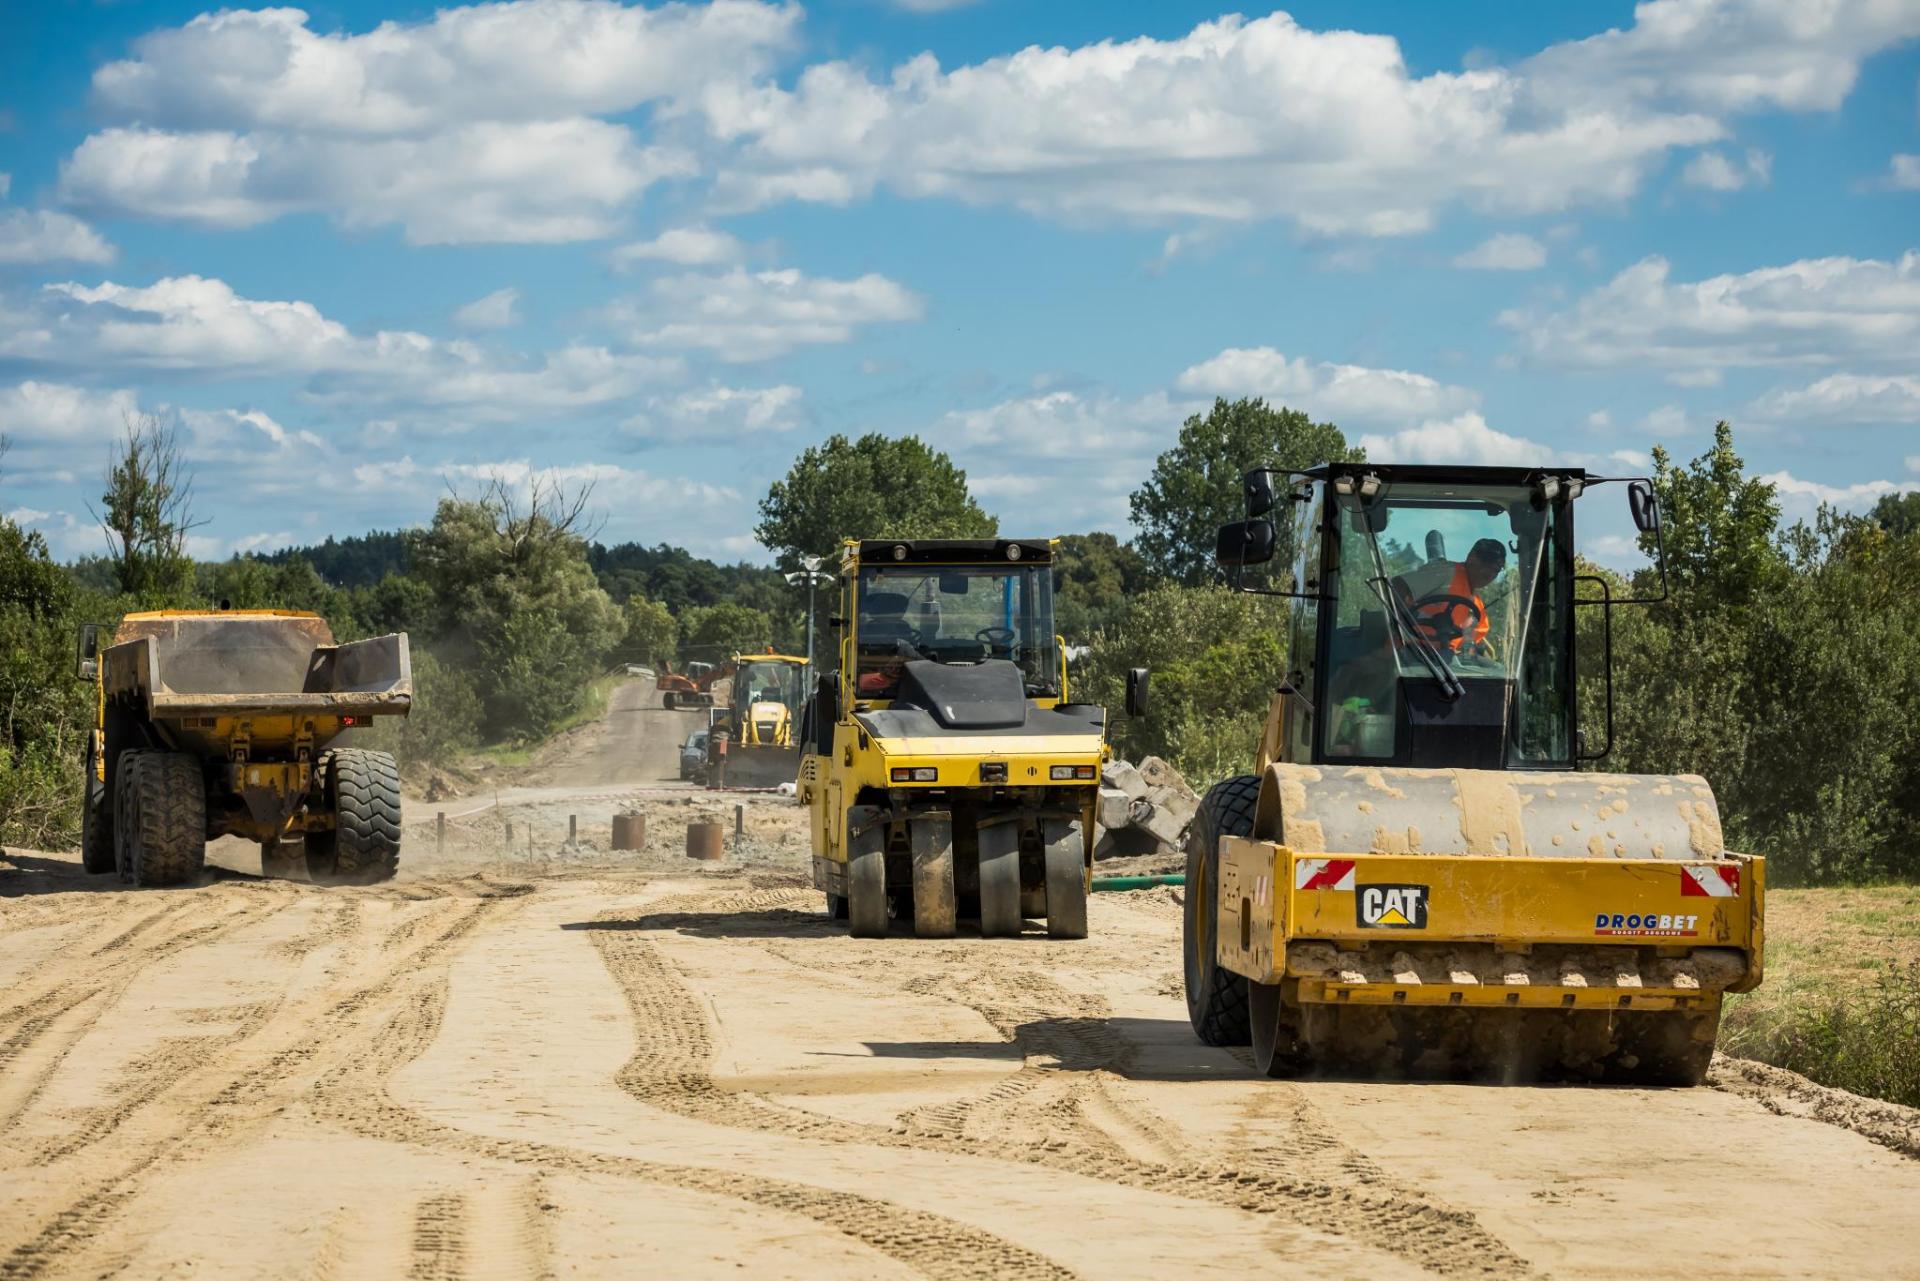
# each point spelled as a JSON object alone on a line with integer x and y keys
{"x": 947, "y": 770}
{"x": 1420, "y": 875}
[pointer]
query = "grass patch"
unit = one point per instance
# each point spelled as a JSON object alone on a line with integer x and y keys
{"x": 1841, "y": 1001}
{"x": 593, "y": 706}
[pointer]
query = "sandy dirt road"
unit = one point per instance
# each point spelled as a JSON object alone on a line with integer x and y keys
{"x": 577, "y": 1066}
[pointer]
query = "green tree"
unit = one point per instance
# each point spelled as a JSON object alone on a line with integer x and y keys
{"x": 1196, "y": 486}
{"x": 718, "y": 632}
{"x": 1898, "y": 514}
{"x": 445, "y": 719}
{"x": 874, "y": 487}
{"x": 146, "y": 513}
{"x": 1720, "y": 526}
{"x": 513, "y": 594}
{"x": 651, "y": 631}
{"x": 1093, "y": 575}
{"x": 45, "y": 713}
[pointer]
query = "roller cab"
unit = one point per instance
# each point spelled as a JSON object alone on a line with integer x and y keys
{"x": 948, "y": 775}
{"x": 1426, "y": 875}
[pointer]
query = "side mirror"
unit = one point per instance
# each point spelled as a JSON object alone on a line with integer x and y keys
{"x": 1644, "y": 506}
{"x": 87, "y": 660}
{"x": 1136, "y": 692}
{"x": 1246, "y": 542}
{"x": 1258, "y": 486}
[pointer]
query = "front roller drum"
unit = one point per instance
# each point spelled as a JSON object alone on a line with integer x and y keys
{"x": 999, "y": 880}
{"x": 867, "y": 873}
{"x": 1066, "y": 878}
{"x": 935, "y": 908}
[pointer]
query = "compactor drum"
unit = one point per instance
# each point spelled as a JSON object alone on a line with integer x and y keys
{"x": 948, "y": 776}
{"x": 1417, "y": 881}
{"x": 228, "y": 723}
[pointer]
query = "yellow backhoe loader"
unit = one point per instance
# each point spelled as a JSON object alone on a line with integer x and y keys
{"x": 751, "y": 743}
{"x": 1419, "y": 878}
{"x": 947, "y": 774}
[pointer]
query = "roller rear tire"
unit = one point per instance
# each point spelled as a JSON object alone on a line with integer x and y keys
{"x": 1066, "y": 880}
{"x": 1216, "y": 997}
{"x": 362, "y": 789}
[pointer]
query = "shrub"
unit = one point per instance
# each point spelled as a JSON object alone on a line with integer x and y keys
{"x": 1868, "y": 1043}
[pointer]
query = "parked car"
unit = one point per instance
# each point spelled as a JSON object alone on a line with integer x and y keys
{"x": 693, "y": 755}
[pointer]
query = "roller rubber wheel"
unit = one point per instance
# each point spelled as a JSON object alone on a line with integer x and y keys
{"x": 1000, "y": 880}
{"x": 282, "y": 860}
{"x": 160, "y": 818}
{"x": 1066, "y": 880}
{"x": 1217, "y": 999}
{"x": 362, "y": 789}
{"x": 867, "y": 882}
{"x": 96, "y": 827}
{"x": 934, "y": 905}
{"x": 836, "y": 907}
{"x": 1279, "y": 1050}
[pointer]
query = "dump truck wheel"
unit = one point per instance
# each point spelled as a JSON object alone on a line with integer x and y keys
{"x": 1217, "y": 1001}
{"x": 934, "y": 903}
{"x": 282, "y": 860}
{"x": 1000, "y": 880}
{"x": 161, "y": 818}
{"x": 363, "y": 791}
{"x": 1066, "y": 880}
{"x": 1279, "y": 1050}
{"x": 96, "y": 827}
{"x": 867, "y": 882}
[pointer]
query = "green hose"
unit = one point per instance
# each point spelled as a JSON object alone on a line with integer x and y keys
{"x": 1134, "y": 882}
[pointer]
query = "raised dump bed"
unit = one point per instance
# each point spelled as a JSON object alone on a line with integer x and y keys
{"x": 222, "y": 723}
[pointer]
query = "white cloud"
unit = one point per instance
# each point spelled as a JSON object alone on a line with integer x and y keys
{"x": 200, "y": 325}
{"x": 1237, "y": 120}
{"x": 1509, "y": 251}
{"x": 1903, "y": 173}
{"x": 1716, "y": 171}
{"x": 1465, "y": 438}
{"x": 719, "y": 413}
{"x": 1345, "y": 394}
{"x": 539, "y": 181}
{"x": 523, "y": 61}
{"x": 1846, "y": 398}
{"x": 1667, "y": 420}
{"x": 1727, "y": 55}
{"x": 1800, "y": 499}
{"x": 683, "y": 246}
{"x": 743, "y": 316}
{"x": 497, "y": 310}
{"x": 45, "y": 235}
{"x": 1814, "y": 311}
{"x": 34, "y": 414}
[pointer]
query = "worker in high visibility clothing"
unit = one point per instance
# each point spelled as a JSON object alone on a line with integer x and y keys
{"x": 1444, "y": 596}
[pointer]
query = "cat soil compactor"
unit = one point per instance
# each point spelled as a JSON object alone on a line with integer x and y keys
{"x": 222, "y": 723}
{"x": 1418, "y": 881}
{"x": 751, "y": 742}
{"x": 947, "y": 773}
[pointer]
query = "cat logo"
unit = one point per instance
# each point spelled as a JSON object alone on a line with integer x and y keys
{"x": 1392, "y": 907}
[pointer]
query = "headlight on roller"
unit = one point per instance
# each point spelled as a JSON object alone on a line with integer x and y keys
{"x": 1067, "y": 773}
{"x": 917, "y": 774}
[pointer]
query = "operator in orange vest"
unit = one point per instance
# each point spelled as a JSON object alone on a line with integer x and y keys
{"x": 1444, "y": 596}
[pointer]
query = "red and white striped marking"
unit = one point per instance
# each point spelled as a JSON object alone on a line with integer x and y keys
{"x": 1715, "y": 881}
{"x": 1323, "y": 874}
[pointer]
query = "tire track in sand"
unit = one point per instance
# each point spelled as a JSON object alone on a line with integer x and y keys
{"x": 1036, "y": 1117}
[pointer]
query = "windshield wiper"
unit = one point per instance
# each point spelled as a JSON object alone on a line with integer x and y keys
{"x": 1411, "y": 635}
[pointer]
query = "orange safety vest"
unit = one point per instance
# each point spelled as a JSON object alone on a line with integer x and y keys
{"x": 1463, "y": 587}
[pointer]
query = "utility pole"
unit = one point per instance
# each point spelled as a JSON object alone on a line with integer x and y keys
{"x": 812, "y": 577}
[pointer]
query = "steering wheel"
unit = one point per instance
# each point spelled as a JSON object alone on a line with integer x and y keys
{"x": 1004, "y": 636}
{"x": 1443, "y": 624}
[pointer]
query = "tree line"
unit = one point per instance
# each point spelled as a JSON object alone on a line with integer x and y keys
{"x": 1781, "y": 665}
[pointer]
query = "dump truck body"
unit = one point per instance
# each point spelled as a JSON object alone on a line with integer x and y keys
{"x": 947, "y": 774}
{"x": 251, "y": 703}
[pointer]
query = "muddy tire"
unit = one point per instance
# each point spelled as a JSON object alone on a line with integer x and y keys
{"x": 1217, "y": 999}
{"x": 1000, "y": 880}
{"x": 362, "y": 789}
{"x": 282, "y": 860}
{"x": 96, "y": 827}
{"x": 867, "y": 906}
{"x": 934, "y": 902}
{"x": 1066, "y": 880}
{"x": 160, "y": 818}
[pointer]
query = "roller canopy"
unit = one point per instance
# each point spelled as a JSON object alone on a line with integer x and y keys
{"x": 1510, "y": 813}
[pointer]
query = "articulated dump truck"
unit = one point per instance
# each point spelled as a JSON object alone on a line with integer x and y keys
{"x": 947, "y": 773}
{"x": 221, "y": 723}
{"x": 1420, "y": 879}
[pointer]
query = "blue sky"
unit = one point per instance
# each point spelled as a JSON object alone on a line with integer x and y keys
{"x": 369, "y": 253}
